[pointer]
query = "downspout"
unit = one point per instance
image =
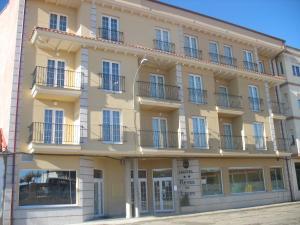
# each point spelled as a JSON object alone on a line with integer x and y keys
{"x": 289, "y": 179}
{"x": 16, "y": 119}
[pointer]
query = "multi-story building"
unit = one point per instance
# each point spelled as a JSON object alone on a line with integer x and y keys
{"x": 128, "y": 108}
{"x": 288, "y": 64}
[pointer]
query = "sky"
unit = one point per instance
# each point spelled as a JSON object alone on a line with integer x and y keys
{"x": 279, "y": 18}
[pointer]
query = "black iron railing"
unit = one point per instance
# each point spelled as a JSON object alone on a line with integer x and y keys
{"x": 54, "y": 133}
{"x": 257, "y": 143}
{"x": 158, "y": 91}
{"x": 256, "y": 104}
{"x": 193, "y": 53}
{"x": 200, "y": 140}
{"x": 164, "y": 46}
{"x": 229, "y": 101}
{"x": 229, "y": 142}
{"x": 279, "y": 108}
{"x": 111, "y": 35}
{"x": 283, "y": 144}
{"x": 56, "y": 77}
{"x": 197, "y": 96}
{"x": 222, "y": 59}
{"x": 161, "y": 139}
{"x": 251, "y": 66}
{"x": 112, "y": 82}
{"x": 113, "y": 134}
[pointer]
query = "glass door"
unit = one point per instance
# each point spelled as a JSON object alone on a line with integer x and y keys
{"x": 248, "y": 60}
{"x": 55, "y": 73}
{"x": 98, "y": 197}
{"x": 160, "y": 137}
{"x": 157, "y": 86}
{"x": 223, "y": 97}
{"x": 228, "y": 55}
{"x": 228, "y": 142}
{"x": 258, "y": 131}
{"x": 163, "y": 194}
{"x": 199, "y": 129}
{"x": 53, "y": 132}
{"x": 196, "y": 89}
{"x": 254, "y": 98}
{"x": 214, "y": 52}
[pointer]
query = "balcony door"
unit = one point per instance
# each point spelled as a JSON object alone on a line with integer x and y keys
{"x": 111, "y": 76}
{"x": 196, "y": 89}
{"x": 110, "y": 28}
{"x": 228, "y": 141}
{"x": 162, "y": 39}
{"x": 53, "y": 126}
{"x": 160, "y": 132}
{"x": 248, "y": 60}
{"x": 111, "y": 129}
{"x": 258, "y": 130}
{"x": 254, "y": 98}
{"x": 55, "y": 73}
{"x": 223, "y": 97}
{"x": 200, "y": 132}
{"x": 157, "y": 86}
{"x": 228, "y": 55}
{"x": 191, "y": 46}
{"x": 214, "y": 52}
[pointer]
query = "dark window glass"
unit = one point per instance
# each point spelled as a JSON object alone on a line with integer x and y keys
{"x": 43, "y": 187}
{"x": 297, "y": 167}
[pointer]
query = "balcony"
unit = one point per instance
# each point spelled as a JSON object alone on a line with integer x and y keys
{"x": 283, "y": 144}
{"x": 112, "y": 134}
{"x": 56, "y": 84}
{"x": 54, "y": 137}
{"x": 222, "y": 59}
{"x": 279, "y": 110}
{"x": 161, "y": 140}
{"x": 231, "y": 143}
{"x": 259, "y": 143}
{"x": 200, "y": 140}
{"x": 164, "y": 46}
{"x": 161, "y": 96}
{"x": 256, "y": 104}
{"x": 193, "y": 53}
{"x": 250, "y": 66}
{"x": 229, "y": 104}
{"x": 111, "y": 35}
{"x": 112, "y": 83}
{"x": 197, "y": 96}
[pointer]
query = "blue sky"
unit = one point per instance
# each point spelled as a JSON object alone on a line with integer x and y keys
{"x": 279, "y": 18}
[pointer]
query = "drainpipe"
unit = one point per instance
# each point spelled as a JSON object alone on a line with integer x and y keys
{"x": 289, "y": 178}
{"x": 16, "y": 119}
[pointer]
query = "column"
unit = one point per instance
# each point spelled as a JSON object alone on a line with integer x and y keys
{"x": 136, "y": 187}
{"x": 182, "y": 139}
{"x": 269, "y": 109}
{"x": 175, "y": 186}
{"x": 127, "y": 178}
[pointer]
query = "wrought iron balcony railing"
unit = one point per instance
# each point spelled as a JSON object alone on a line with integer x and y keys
{"x": 222, "y": 59}
{"x": 112, "y": 82}
{"x": 256, "y": 104}
{"x": 197, "y": 96}
{"x": 279, "y": 108}
{"x": 56, "y": 77}
{"x": 164, "y": 46}
{"x": 158, "y": 91}
{"x": 193, "y": 53}
{"x": 229, "y": 101}
{"x": 229, "y": 142}
{"x": 113, "y": 134}
{"x": 111, "y": 35}
{"x": 251, "y": 66}
{"x": 283, "y": 144}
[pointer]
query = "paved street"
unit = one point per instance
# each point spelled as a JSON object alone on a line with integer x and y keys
{"x": 278, "y": 215}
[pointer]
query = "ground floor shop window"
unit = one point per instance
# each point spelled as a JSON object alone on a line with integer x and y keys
{"x": 297, "y": 167}
{"x": 211, "y": 182}
{"x": 246, "y": 180}
{"x": 277, "y": 179}
{"x": 44, "y": 187}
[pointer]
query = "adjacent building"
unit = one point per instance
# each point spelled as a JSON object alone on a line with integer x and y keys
{"x": 119, "y": 108}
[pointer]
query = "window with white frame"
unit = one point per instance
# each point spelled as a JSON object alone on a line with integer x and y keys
{"x": 296, "y": 70}
{"x": 55, "y": 74}
{"x": 191, "y": 46}
{"x": 196, "y": 93}
{"x": 162, "y": 40}
{"x": 254, "y": 98}
{"x": 111, "y": 126}
{"x": 246, "y": 180}
{"x": 261, "y": 67}
{"x": 248, "y": 60}
{"x": 47, "y": 187}
{"x": 110, "y": 28}
{"x": 211, "y": 181}
{"x": 258, "y": 132}
{"x": 214, "y": 51}
{"x": 200, "y": 132}
{"x": 277, "y": 179}
{"x": 110, "y": 79}
{"x": 58, "y": 22}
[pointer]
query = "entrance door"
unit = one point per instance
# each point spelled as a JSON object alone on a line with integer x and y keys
{"x": 98, "y": 193}
{"x": 163, "y": 192}
{"x": 143, "y": 198}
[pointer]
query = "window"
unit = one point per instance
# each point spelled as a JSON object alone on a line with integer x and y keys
{"x": 258, "y": 131}
{"x": 58, "y": 22}
{"x": 200, "y": 132}
{"x": 261, "y": 67}
{"x": 228, "y": 58}
{"x": 111, "y": 79}
{"x": 191, "y": 47}
{"x": 281, "y": 68}
{"x": 196, "y": 93}
{"x": 277, "y": 178}
{"x": 246, "y": 180}
{"x": 111, "y": 129}
{"x": 248, "y": 60}
{"x": 45, "y": 187}
{"x": 299, "y": 103}
{"x": 211, "y": 182}
{"x": 160, "y": 132}
{"x": 254, "y": 98}
{"x": 162, "y": 41}
{"x": 53, "y": 126}
{"x": 110, "y": 28}
{"x": 55, "y": 74}
{"x": 297, "y": 168}
{"x": 214, "y": 52}
{"x": 157, "y": 86}
{"x": 296, "y": 71}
